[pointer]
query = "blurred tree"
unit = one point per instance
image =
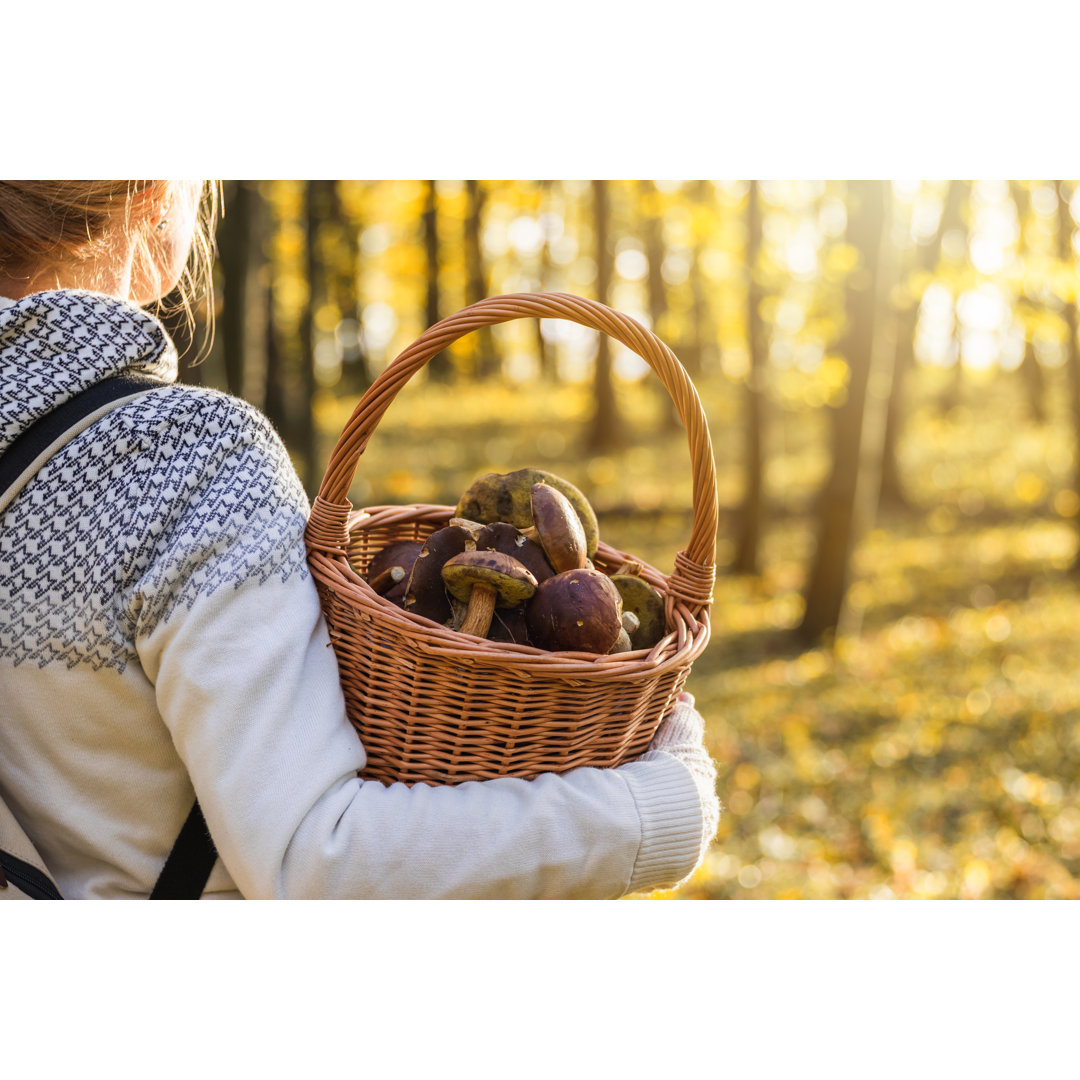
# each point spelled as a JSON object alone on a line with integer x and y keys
{"x": 439, "y": 365}
{"x": 840, "y": 507}
{"x": 234, "y": 259}
{"x": 1067, "y": 255}
{"x": 476, "y": 285}
{"x": 275, "y": 401}
{"x": 956, "y": 243}
{"x": 924, "y": 262}
{"x": 342, "y": 255}
{"x": 547, "y": 367}
{"x": 242, "y": 260}
{"x": 318, "y": 195}
{"x": 650, "y": 202}
{"x": 1030, "y": 369}
{"x": 693, "y": 352}
{"x": 751, "y": 511}
{"x": 605, "y": 430}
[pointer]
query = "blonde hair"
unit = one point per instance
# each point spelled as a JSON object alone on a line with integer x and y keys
{"x": 49, "y": 223}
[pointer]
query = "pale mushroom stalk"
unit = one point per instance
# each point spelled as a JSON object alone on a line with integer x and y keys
{"x": 483, "y": 579}
{"x": 388, "y": 578}
{"x": 481, "y": 609}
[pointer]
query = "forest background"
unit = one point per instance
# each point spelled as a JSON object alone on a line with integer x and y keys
{"x": 891, "y": 376}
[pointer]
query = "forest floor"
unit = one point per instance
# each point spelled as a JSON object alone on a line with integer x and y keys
{"x": 932, "y": 752}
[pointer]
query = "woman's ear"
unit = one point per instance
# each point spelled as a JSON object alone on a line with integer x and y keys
{"x": 164, "y": 239}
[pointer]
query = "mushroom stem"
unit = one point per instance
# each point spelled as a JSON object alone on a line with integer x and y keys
{"x": 481, "y": 608}
{"x": 387, "y": 579}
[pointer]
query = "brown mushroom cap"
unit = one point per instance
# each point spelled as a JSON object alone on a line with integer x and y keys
{"x": 425, "y": 593}
{"x": 486, "y": 579}
{"x": 558, "y": 528}
{"x": 508, "y": 625}
{"x": 577, "y": 610}
{"x": 399, "y": 555}
{"x": 501, "y": 536}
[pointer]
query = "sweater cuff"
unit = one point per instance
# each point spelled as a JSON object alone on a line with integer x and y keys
{"x": 671, "y": 820}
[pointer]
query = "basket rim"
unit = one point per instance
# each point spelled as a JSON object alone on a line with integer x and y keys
{"x": 678, "y": 647}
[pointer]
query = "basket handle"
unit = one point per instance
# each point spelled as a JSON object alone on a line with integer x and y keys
{"x": 695, "y": 568}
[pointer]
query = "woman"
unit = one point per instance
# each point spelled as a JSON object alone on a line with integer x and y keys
{"x": 161, "y": 638}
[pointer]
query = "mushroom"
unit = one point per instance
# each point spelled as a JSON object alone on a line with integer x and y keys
{"x": 508, "y": 625}
{"x": 507, "y": 497}
{"x": 389, "y": 569}
{"x": 501, "y": 536}
{"x": 558, "y": 528}
{"x": 577, "y": 610}
{"x": 642, "y": 601}
{"x": 485, "y": 579}
{"x": 473, "y": 528}
{"x": 425, "y": 593}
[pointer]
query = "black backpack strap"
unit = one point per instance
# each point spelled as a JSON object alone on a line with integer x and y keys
{"x": 188, "y": 866}
{"x": 43, "y": 438}
{"x": 187, "y": 869}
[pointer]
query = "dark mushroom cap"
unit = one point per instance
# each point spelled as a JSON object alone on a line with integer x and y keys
{"x": 577, "y": 610}
{"x": 512, "y": 582}
{"x": 559, "y": 528}
{"x": 508, "y": 625}
{"x": 425, "y": 593}
{"x": 401, "y": 553}
{"x": 504, "y": 537}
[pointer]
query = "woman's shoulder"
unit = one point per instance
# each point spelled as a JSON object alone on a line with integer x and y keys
{"x": 200, "y": 419}
{"x": 195, "y": 440}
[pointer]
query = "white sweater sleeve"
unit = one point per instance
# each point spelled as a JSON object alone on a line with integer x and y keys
{"x": 231, "y": 635}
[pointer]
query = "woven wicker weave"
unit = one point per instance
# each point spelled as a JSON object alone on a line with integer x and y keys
{"x": 436, "y": 706}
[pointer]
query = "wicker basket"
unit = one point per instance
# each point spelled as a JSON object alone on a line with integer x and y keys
{"x": 439, "y": 707}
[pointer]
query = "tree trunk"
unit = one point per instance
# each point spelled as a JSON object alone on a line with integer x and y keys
{"x": 356, "y": 369}
{"x": 1031, "y": 371}
{"x": 545, "y": 354}
{"x": 476, "y": 288}
{"x": 695, "y": 355}
{"x": 605, "y": 430}
{"x": 315, "y": 206}
{"x": 653, "y": 232}
{"x": 439, "y": 365}
{"x": 234, "y": 245}
{"x": 275, "y": 398}
{"x": 1072, "y": 348}
{"x": 926, "y": 259}
{"x": 953, "y": 394}
{"x": 751, "y": 513}
{"x": 845, "y": 504}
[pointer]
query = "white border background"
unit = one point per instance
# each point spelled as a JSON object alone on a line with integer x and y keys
{"x": 680, "y": 90}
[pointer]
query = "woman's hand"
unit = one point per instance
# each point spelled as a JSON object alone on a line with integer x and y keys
{"x": 682, "y": 735}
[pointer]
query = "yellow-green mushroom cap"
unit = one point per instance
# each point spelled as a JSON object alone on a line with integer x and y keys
{"x": 484, "y": 580}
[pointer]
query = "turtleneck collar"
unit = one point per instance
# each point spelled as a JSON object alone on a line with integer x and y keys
{"x": 55, "y": 344}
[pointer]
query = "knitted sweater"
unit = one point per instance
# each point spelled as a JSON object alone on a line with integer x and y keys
{"x": 161, "y": 637}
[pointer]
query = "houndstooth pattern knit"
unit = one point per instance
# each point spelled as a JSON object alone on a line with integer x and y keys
{"x": 177, "y": 493}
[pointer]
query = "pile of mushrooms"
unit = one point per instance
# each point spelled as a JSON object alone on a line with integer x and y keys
{"x": 521, "y": 572}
